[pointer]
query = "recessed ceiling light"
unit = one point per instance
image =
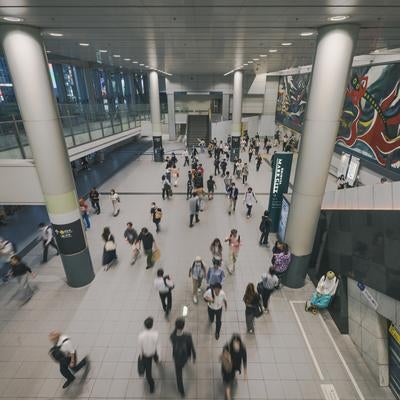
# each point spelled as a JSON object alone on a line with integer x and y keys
{"x": 272, "y": 50}
{"x": 127, "y": 59}
{"x": 116, "y": 55}
{"x": 146, "y": 66}
{"x": 304, "y": 34}
{"x": 103, "y": 51}
{"x": 339, "y": 18}
{"x": 245, "y": 64}
{"x": 263, "y": 55}
{"x": 84, "y": 44}
{"x": 142, "y": 65}
{"x": 48, "y": 51}
{"x": 250, "y": 62}
{"x": 134, "y": 62}
{"x": 13, "y": 19}
{"x": 56, "y": 34}
{"x": 256, "y": 59}
{"x": 286, "y": 44}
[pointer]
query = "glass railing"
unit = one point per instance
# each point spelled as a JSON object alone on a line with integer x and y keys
{"x": 81, "y": 124}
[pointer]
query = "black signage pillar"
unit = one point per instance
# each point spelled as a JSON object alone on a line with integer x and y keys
{"x": 281, "y": 166}
{"x": 158, "y": 150}
{"x": 235, "y": 148}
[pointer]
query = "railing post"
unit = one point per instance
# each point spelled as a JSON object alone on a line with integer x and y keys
{"x": 112, "y": 123}
{"x": 88, "y": 127}
{"x": 71, "y": 127}
{"x": 102, "y": 128}
{"x": 18, "y": 138}
{"x": 120, "y": 121}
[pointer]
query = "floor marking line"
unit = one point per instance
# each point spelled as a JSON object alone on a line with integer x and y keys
{"x": 346, "y": 367}
{"x": 310, "y": 350}
{"x": 329, "y": 391}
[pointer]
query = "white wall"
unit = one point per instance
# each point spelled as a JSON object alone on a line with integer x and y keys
{"x": 252, "y": 104}
{"x": 251, "y": 125}
{"x": 267, "y": 125}
{"x": 221, "y": 130}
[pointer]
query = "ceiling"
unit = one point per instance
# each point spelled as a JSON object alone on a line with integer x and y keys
{"x": 202, "y": 36}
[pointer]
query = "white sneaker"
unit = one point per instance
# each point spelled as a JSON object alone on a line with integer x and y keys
{"x": 199, "y": 290}
{"x": 194, "y": 299}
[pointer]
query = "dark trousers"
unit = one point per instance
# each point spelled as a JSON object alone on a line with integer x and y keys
{"x": 264, "y": 237}
{"x": 216, "y": 170}
{"x": 66, "y": 371}
{"x": 244, "y": 179}
{"x": 52, "y": 243}
{"x": 192, "y": 216}
{"x": 166, "y": 301}
{"x": 223, "y": 171}
{"x": 249, "y": 207}
{"x": 96, "y": 205}
{"x": 165, "y": 193}
{"x": 258, "y": 166}
{"x": 217, "y": 314}
{"x": 157, "y": 224}
{"x": 149, "y": 255}
{"x": 188, "y": 193}
{"x": 266, "y": 294}
{"x": 186, "y": 161}
{"x": 148, "y": 361}
{"x": 179, "y": 380}
{"x": 250, "y": 156}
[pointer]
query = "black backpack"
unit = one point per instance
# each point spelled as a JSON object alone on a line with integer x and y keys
{"x": 56, "y": 354}
{"x": 262, "y": 225}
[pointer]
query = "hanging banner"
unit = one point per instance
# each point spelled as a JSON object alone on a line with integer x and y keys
{"x": 281, "y": 166}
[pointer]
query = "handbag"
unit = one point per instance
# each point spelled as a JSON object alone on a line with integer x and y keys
{"x": 140, "y": 366}
{"x": 156, "y": 255}
{"x": 110, "y": 245}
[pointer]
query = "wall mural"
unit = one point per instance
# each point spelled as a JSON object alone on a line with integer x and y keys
{"x": 370, "y": 122}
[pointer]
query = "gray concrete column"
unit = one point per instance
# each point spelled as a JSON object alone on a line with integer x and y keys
{"x": 225, "y": 106}
{"x": 236, "y": 113}
{"x": 28, "y": 65}
{"x": 332, "y": 63}
{"x": 266, "y": 98}
{"x": 171, "y": 116}
{"x": 155, "y": 114}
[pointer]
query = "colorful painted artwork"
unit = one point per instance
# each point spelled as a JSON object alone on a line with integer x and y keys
{"x": 292, "y": 101}
{"x": 370, "y": 122}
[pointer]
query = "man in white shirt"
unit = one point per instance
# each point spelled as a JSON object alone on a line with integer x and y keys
{"x": 249, "y": 199}
{"x": 216, "y": 298}
{"x": 47, "y": 239}
{"x": 148, "y": 349}
{"x": 164, "y": 285}
{"x": 65, "y": 354}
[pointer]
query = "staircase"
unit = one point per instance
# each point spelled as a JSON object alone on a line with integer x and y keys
{"x": 198, "y": 128}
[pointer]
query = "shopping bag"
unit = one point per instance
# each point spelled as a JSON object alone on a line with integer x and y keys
{"x": 140, "y": 366}
{"x": 156, "y": 255}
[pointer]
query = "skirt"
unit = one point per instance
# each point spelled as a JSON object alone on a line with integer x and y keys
{"x": 109, "y": 256}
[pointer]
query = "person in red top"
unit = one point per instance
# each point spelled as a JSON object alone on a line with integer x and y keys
{"x": 84, "y": 209}
{"x": 200, "y": 169}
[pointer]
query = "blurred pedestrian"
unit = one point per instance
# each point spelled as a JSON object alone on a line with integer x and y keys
{"x": 253, "y": 306}
{"x": 269, "y": 282}
{"x": 84, "y": 210}
{"x": 109, "y": 249}
{"x": 47, "y": 239}
{"x": 197, "y": 272}
{"x": 95, "y": 200}
{"x": 233, "y": 241}
{"x": 147, "y": 239}
{"x": 115, "y": 200}
{"x": 216, "y": 299}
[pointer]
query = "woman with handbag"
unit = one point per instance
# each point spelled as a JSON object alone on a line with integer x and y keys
{"x": 253, "y": 306}
{"x": 115, "y": 200}
{"x": 234, "y": 245}
{"x": 109, "y": 250}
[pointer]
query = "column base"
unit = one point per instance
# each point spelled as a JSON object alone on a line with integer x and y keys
{"x": 78, "y": 268}
{"x": 296, "y": 274}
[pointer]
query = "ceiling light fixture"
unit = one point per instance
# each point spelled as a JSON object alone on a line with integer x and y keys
{"x": 135, "y": 62}
{"x": 48, "y": 51}
{"x": 228, "y": 73}
{"x": 339, "y": 18}
{"x": 142, "y": 65}
{"x": 116, "y": 56}
{"x": 103, "y": 51}
{"x": 263, "y": 55}
{"x": 286, "y": 43}
{"x": 273, "y": 51}
{"x": 245, "y": 64}
{"x": 84, "y": 44}
{"x": 56, "y": 34}
{"x": 127, "y": 59}
{"x": 250, "y": 62}
{"x": 256, "y": 59}
{"x": 13, "y": 19}
{"x": 305, "y": 34}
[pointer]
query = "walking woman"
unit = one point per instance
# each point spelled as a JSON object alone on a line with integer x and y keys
{"x": 84, "y": 210}
{"x": 234, "y": 244}
{"x": 115, "y": 200}
{"x": 109, "y": 250}
{"x": 238, "y": 353}
{"x": 197, "y": 272}
{"x": 227, "y": 372}
{"x": 265, "y": 227}
{"x": 252, "y": 301}
{"x": 216, "y": 250}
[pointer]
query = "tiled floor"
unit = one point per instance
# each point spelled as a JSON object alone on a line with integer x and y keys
{"x": 105, "y": 318}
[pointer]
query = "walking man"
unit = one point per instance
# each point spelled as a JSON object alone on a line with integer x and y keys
{"x": 249, "y": 199}
{"x": 156, "y": 213}
{"x": 182, "y": 350}
{"x": 164, "y": 285}
{"x": 64, "y": 353}
{"x": 147, "y": 239}
{"x": 186, "y": 155}
{"x": 95, "y": 200}
{"x": 223, "y": 166}
{"x": 47, "y": 239}
{"x": 149, "y": 349}
{"x": 194, "y": 207}
{"x": 22, "y": 273}
{"x": 216, "y": 299}
{"x": 216, "y": 167}
{"x": 233, "y": 193}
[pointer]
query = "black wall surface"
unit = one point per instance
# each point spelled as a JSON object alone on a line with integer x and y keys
{"x": 363, "y": 245}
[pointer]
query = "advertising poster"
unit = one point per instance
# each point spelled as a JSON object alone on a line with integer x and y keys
{"x": 70, "y": 238}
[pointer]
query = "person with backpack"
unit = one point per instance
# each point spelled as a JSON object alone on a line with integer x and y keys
{"x": 166, "y": 187}
{"x": 47, "y": 239}
{"x": 265, "y": 227}
{"x": 252, "y": 302}
{"x": 164, "y": 285}
{"x": 197, "y": 272}
{"x": 233, "y": 241}
{"x": 95, "y": 200}
{"x": 182, "y": 350}
{"x": 211, "y": 185}
{"x": 148, "y": 351}
{"x": 269, "y": 282}
{"x": 233, "y": 193}
{"x": 194, "y": 208}
{"x": 249, "y": 199}
{"x": 156, "y": 213}
{"x": 115, "y": 200}
{"x": 64, "y": 353}
{"x": 109, "y": 249}
{"x": 223, "y": 166}
{"x": 216, "y": 299}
